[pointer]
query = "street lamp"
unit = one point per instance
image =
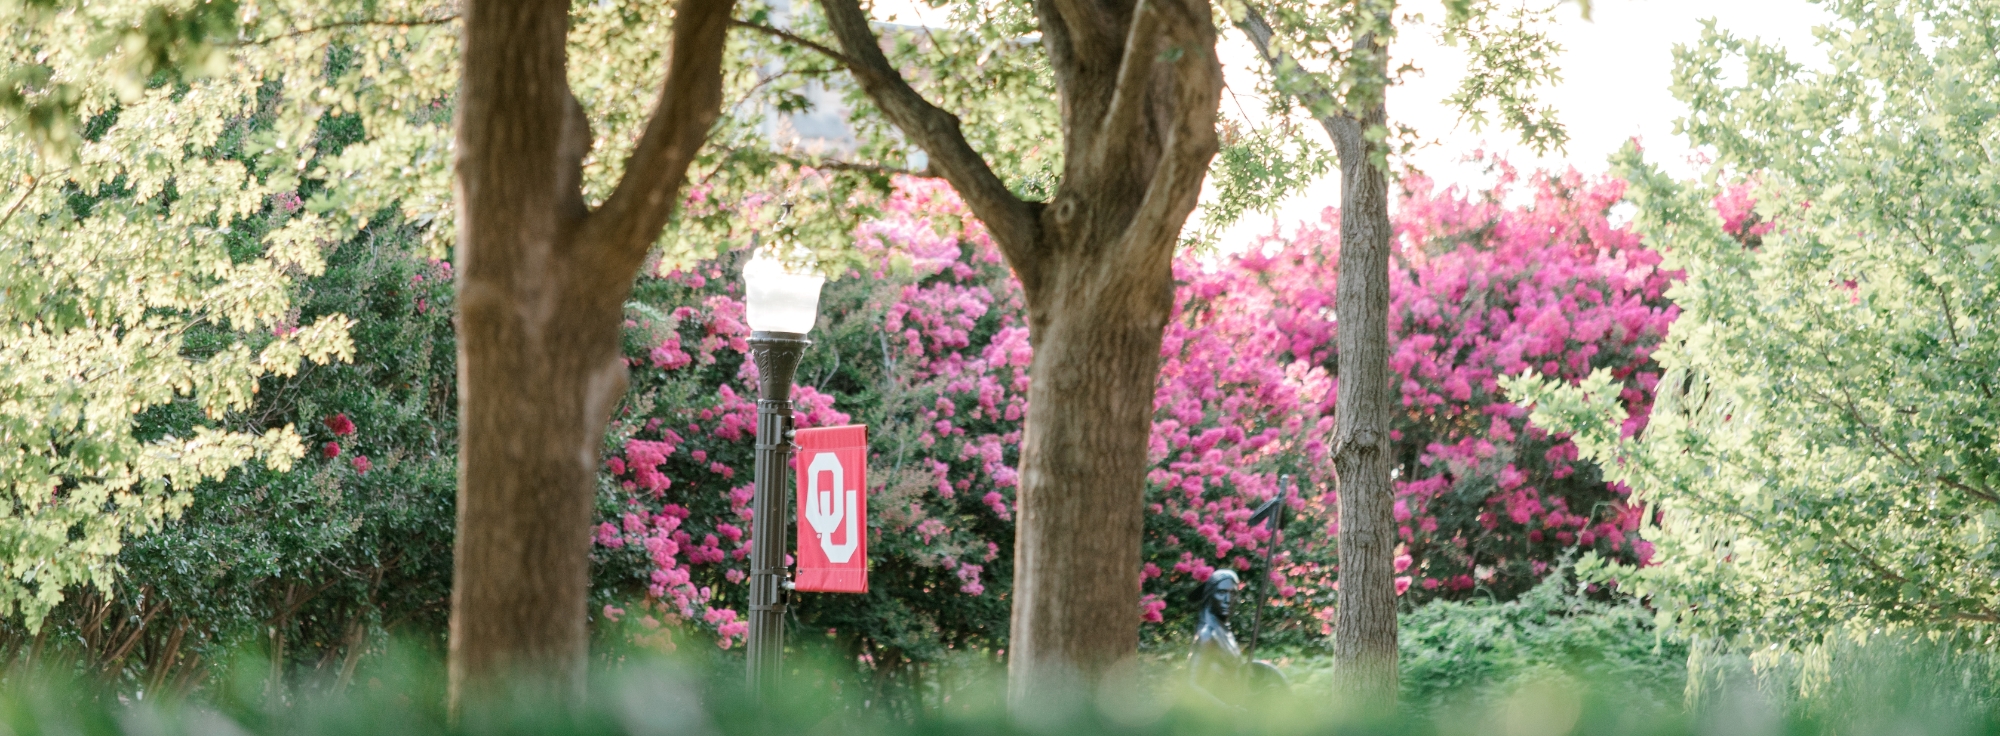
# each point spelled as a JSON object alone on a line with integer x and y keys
{"x": 780, "y": 306}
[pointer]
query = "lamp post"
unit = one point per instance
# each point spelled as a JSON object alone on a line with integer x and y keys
{"x": 780, "y": 306}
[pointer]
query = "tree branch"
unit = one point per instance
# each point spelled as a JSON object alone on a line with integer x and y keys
{"x": 1191, "y": 142}
{"x": 1116, "y": 133}
{"x": 1013, "y": 223}
{"x": 409, "y": 23}
{"x": 1897, "y": 452}
{"x": 796, "y": 39}
{"x": 1088, "y": 28}
{"x": 925, "y": 173}
{"x": 1290, "y": 79}
{"x": 690, "y": 101}
{"x": 33, "y": 183}
{"x": 928, "y": 172}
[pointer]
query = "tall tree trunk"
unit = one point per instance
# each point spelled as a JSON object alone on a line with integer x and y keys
{"x": 542, "y": 285}
{"x": 1139, "y": 85}
{"x": 1083, "y": 464}
{"x": 1364, "y": 630}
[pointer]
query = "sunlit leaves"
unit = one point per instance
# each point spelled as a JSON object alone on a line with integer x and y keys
{"x": 1823, "y": 451}
{"x": 141, "y": 269}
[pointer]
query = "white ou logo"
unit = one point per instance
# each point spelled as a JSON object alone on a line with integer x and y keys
{"x": 826, "y": 508}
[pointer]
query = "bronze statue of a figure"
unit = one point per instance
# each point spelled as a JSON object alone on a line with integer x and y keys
{"x": 1217, "y": 667}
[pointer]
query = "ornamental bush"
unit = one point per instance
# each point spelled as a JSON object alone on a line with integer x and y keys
{"x": 319, "y": 565}
{"x": 925, "y": 342}
{"x": 1486, "y": 501}
{"x": 1825, "y": 458}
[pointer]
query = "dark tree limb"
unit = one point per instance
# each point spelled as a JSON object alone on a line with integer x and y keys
{"x": 1290, "y": 79}
{"x": 1012, "y": 221}
{"x": 1117, "y": 133}
{"x": 368, "y": 23}
{"x": 1090, "y": 27}
{"x": 795, "y": 39}
{"x": 690, "y": 100}
{"x": 1191, "y": 141}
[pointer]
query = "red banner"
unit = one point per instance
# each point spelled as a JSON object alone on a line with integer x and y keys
{"x": 833, "y": 509}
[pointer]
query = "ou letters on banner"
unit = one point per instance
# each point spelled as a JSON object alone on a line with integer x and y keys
{"x": 833, "y": 509}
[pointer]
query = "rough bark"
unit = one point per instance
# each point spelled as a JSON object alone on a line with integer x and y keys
{"x": 1139, "y": 85}
{"x": 1364, "y": 630}
{"x": 542, "y": 284}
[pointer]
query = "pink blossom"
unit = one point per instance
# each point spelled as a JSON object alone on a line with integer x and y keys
{"x": 607, "y": 536}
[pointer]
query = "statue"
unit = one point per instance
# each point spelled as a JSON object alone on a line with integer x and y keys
{"x": 1217, "y": 667}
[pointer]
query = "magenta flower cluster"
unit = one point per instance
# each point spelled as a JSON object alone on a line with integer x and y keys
{"x": 1480, "y": 289}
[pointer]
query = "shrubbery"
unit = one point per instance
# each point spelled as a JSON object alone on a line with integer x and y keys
{"x": 317, "y": 564}
{"x": 1484, "y": 649}
{"x": 924, "y": 342}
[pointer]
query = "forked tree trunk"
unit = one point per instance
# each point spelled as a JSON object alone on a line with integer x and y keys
{"x": 542, "y": 284}
{"x": 1364, "y": 631}
{"x": 1139, "y": 85}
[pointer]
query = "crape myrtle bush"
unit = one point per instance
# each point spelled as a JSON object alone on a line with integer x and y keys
{"x": 924, "y": 346}
{"x": 1485, "y": 501}
{"x": 923, "y": 340}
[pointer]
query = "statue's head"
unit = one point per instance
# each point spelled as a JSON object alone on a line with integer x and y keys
{"x": 1219, "y": 592}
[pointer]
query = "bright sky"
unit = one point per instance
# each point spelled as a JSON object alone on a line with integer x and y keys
{"x": 1616, "y": 70}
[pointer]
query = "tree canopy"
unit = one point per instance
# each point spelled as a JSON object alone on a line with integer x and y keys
{"x": 1822, "y": 452}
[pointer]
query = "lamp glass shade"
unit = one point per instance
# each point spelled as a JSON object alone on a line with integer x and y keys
{"x": 777, "y": 300}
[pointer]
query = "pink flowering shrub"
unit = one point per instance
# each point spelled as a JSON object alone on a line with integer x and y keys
{"x": 1484, "y": 500}
{"x": 925, "y": 342}
{"x": 675, "y": 511}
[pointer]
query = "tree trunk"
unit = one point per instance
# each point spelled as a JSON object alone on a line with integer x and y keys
{"x": 1139, "y": 85}
{"x": 1364, "y": 630}
{"x": 542, "y": 284}
{"x": 1080, "y": 499}
{"x": 1365, "y": 625}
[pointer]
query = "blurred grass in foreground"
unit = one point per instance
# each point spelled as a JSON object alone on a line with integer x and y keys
{"x": 1877, "y": 686}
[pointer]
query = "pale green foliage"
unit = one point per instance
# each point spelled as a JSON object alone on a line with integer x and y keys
{"x": 982, "y": 60}
{"x": 158, "y": 155}
{"x": 1824, "y": 443}
{"x": 115, "y": 249}
{"x": 1257, "y": 168}
{"x": 1509, "y": 55}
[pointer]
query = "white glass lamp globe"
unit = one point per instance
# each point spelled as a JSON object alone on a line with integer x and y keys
{"x": 777, "y": 300}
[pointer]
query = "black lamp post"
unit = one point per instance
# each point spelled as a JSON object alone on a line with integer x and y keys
{"x": 780, "y": 307}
